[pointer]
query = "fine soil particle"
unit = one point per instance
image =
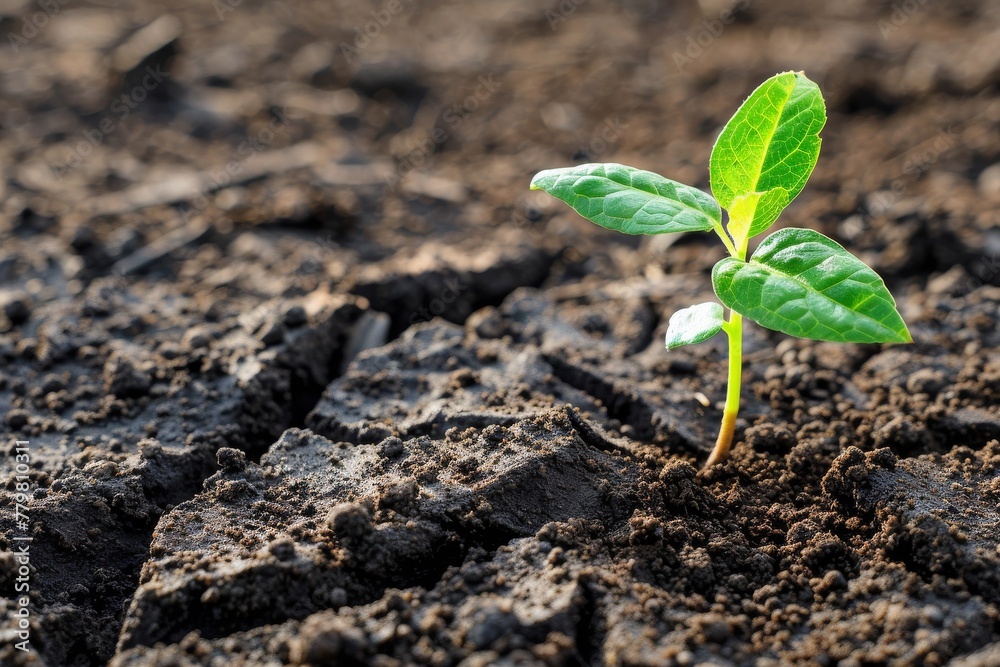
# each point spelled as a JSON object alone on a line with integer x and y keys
{"x": 310, "y": 377}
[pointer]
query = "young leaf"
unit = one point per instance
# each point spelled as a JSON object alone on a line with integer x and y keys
{"x": 694, "y": 324}
{"x": 630, "y": 200}
{"x": 804, "y": 284}
{"x": 772, "y": 142}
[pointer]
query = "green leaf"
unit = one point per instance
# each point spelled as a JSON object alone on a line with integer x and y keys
{"x": 630, "y": 200}
{"x": 772, "y": 142}
{"x": 804, "y": 284}
{"x": 694, "y": 325}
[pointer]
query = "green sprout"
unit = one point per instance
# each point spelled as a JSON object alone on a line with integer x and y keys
{"x": 798, "y": 282}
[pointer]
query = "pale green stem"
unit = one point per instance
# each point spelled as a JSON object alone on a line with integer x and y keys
{"x": 725, "y": 239}
{"x": 734, "y": 330}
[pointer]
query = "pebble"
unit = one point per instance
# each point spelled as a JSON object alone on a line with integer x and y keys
{"x": 493, "y": 625}
{"x": 16, "y": 307}
{"x": 833, "y": 580}
{"x": 926, "y": 381}
{"x": 989, "y": 181}
{"x": 231, "y": 460}
{"x": 391, "y": 447}
{"x": 123, "y": 378}
{"x": 282, "y": 548}
{"x": 52, "y": 383}
{"x": 17, "y": 419}
{"x": 273, "y": 334}
{"x": 933, "y": 615}
{"x": 349, "y": 520}
{"x": 101, "y": 469}
{"x": 797, "y": 374}
{"x": 400, "y": 497}
{"x": 295, "y": 317}
{"x": 487, "y": 323}
{"x": 196, "y": 339}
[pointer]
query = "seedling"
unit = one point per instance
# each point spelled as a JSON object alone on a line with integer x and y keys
{"x": 798, "y": 282}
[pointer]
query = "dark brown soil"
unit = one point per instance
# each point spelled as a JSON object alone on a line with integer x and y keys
{"x": 309, "y": 376}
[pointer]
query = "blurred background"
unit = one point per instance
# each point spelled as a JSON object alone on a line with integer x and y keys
{"x": 247, "y": 150}
{"x": 177, "y": 177}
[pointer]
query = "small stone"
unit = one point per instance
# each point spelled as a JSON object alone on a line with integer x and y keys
{"x": 785, "y": 346}
{"x": 273, "y": 334}
{"x": 716, "y": 632}
{"x": 52, "y": 383}
{"x": 926, "y": 381}
{"x": 795, "y": 377}
{"x": 170, "y": 350}
{"x": 29, "y": 221}
{"x": 101, "y": 469}
{"x": 282, "y": 548}
{"x": 949, "y": 282}
{"x": 489, "y": 626}
{"x": 17, "y": 419}
{"x": 231, "y": 460}
{"x": 768, "y": 437}
{"x": 316, "y": 649}
{"x": 486, "y": 323}
{"x": 150, "y": 48}
{"x": 884, "y": 458}
{"x": 329, "y": 641}
{"x": 989, "y": 181}
{"x": 401, "y": 497}
{"x": 123, "y": 378}
{"x": 295, "y": 317}
{"x": 833, "y": 580}
{"x": 682, "y": 367}
{"x": 391, "y": 447}
{"x": 349, "y": 521}
{"x": 196, "y": 339}
{"x": 933, "y": 615}
{"x": 338, "y": 597}
{"x": 16, "y": 307}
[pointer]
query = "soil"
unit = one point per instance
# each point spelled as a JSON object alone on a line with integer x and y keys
{"x": 309, "y": 377}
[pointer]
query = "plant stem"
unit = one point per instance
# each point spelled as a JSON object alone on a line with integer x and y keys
{"x": 726, "y": 240}
{"x": 734, "y": 329}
